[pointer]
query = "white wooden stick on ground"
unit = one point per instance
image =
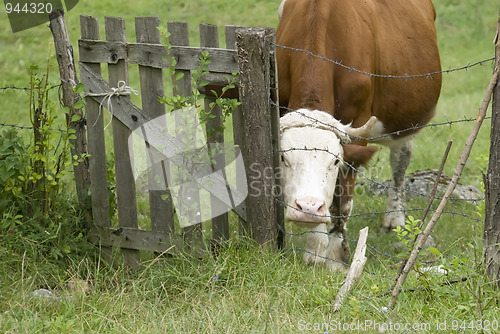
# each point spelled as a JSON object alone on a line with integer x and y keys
{"x": 357, "y": 266}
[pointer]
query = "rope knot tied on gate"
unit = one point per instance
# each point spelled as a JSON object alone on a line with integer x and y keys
{"x": 121, "y": 89}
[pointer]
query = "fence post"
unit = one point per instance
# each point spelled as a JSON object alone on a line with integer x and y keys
{"x": 64, "y": 53}
{"x": 254, "y": 47}
{"x": 491, "y": 238}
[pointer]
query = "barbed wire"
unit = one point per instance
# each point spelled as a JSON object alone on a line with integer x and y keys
{"x": 389, "y": 76}
{"x": 395, "y": 133}
{"x": 286, "y": 205}
{"x": 21, "y": 127}
{"x": 12, "y": 87}
{"x": 373, "y": 213}
{"x": 373, "y": 248}
{"x": 28, "y": 127}
{"x": 291, "y": 234}
{"x": 379, "y": 184}
{"x": 346, "y": 265}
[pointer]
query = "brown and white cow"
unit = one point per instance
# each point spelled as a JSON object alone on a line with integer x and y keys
{"x": 324, "y": 104}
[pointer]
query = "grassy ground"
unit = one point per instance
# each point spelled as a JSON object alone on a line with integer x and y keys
{"x": 247, "y": 289}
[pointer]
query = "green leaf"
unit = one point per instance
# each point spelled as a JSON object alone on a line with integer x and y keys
{"x": 66, "y": 249}
{"x": 434, "y": 250}
{"x": 79, "y": 104}
{"x": 76, "y": 117}
{"x": 179, "y": 75}
{"x": 79, "y": 88}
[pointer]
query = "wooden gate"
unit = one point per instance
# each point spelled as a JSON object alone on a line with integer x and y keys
{"x": 255, "y": 128}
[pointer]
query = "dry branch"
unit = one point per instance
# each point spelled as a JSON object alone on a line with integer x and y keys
{"x": 357, "y": 266}
{"x": 464, "y": 155}
{"x": 427, "y": 208}
{"x": 436, "y": 183}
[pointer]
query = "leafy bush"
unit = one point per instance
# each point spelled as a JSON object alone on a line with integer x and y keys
{"x": 39, "y": 217}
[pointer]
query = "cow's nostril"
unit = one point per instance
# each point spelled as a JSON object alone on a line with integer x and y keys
{"x": 321, "y": 209}
{"x": 298, "y": 206}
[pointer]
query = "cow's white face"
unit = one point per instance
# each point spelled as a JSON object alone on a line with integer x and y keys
{"x": 310, "y": 161}
{"x": 312, "y": 153}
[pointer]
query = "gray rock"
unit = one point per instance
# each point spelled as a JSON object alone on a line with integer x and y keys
{"x": 421, "y": 183}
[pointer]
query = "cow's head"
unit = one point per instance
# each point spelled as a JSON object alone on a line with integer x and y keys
{"x": 314, "y": 147}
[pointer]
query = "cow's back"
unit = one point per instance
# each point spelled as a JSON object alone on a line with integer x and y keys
{"x": 386, "y": 37}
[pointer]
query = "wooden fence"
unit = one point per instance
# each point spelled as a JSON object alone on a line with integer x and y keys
{"x": 250, "y": 52}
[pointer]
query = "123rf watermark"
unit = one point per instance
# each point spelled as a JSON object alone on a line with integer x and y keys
{"x": 375, "y": 326}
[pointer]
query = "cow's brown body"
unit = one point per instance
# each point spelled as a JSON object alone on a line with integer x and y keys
{"x": 390, "y": 37}
{"x": 382, "y": 37}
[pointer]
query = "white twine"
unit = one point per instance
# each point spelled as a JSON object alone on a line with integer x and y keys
{"x": 122, "y": 89}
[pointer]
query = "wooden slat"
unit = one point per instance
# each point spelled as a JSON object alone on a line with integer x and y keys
{"x": 125, "y": 182}
{"x": 147, "y": 54}
{"x": 161, "y": 210}
{"x": 220, "y": 225}
{"x": 133, "y": 238}
{"x": 96, "y": 148}
{"x": 130, "y": 115}
{"x": 179, "y": 36}
{"x": 237, "y": 134}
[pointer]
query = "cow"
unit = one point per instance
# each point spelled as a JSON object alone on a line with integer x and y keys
{"x": 336, "y": 96}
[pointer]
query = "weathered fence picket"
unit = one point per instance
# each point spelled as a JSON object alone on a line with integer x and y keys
{"x": 220, "y": 225}
{"x": 96, "y": 148}
{"x": 179, "y": 36}
{"x": 125, "y": 183}
{"x": 151, "y": 80}
{"x": 255, "y": 130}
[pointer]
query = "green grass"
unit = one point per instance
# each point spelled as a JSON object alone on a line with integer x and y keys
{"x": 246, "y": 289}
{"x": 249, "y": 289}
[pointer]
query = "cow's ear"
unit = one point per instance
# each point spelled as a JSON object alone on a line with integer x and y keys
{"x": 357, "y": 155}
